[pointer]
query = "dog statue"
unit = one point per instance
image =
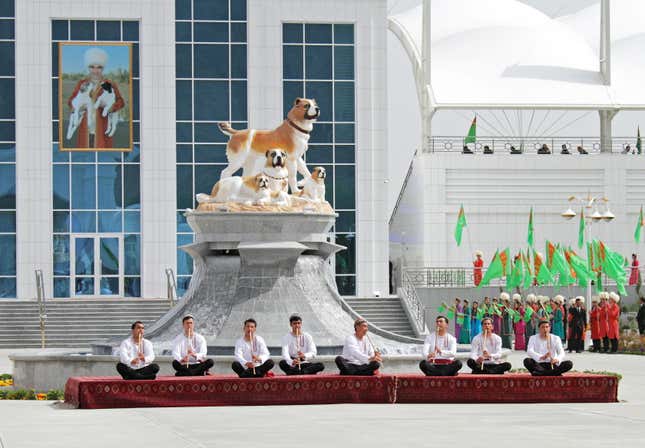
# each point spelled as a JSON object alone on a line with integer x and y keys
{"x": 81, "y": 104}
{"x": 275, "y": 170}
{"x": 246, "y": 146}
{"x": 249, "y": 190}
{"x": 314, "y": 186}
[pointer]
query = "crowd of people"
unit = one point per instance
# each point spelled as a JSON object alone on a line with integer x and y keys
{"x": 515, "y": 320}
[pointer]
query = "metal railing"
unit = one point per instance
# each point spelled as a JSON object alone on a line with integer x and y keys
{"x": 413, "y": 305}
{"x": 42, "y": 307}
{"x": 405, "y": 184}
{"x": 531, "y": 145}
{"x": 171, "y": 287}
{"x": 463, "y": 277}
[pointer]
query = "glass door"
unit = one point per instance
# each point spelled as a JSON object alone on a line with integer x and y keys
{"x": 97, "y": 265}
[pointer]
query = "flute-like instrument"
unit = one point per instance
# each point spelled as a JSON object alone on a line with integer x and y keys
{"x": 372, "y": 344}
{"x": 436, "y": 336}
{"x": 190, "y": 347}
{"x": 252, "y": 350}
{"x": 483, "y": 349}
{"x": 548, "y": 348}
{"x": 140, "y": 346}
{"x": 298, "y": 348}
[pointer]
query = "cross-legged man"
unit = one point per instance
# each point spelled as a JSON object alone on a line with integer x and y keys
{"x": 359, "y": 356}
{"x": 252, "y": 357}
{"x": 136, "y": 356}
{"x": 486, "y": 351}
{"x": 298, "y": 350}
{"x": 546, "y": 355}
{"x": 439, "y": 351}
{"x": 189, "y": 351}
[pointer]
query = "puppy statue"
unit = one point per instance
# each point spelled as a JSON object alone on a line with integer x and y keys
{"x": 314, "y": 186}
{"x": 275, "y": 170}
{"x": 249, "y": 190}
{"x": 292, "y": 136}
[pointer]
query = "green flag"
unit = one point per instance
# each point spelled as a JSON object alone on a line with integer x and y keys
{"x": 461, "y": 223}
{"x": 639, "y": 146}
{"x": 495, "y": 270}
{"x": 472, "y": 132}
{"x": 441, "y": 308}
{"x": 451, "y": 314}
{"x": 529, "y": 238}
{"x": 517, "y": 274}
{"x": 581, "y": 230}
{"x": 480, "y": 313}
{"x": 542, "y": 274}
{"x": 561, "y": 266}
{"x": 580, "y": 267}
{"x": 460, "y": 318}
{"x": 639, "y": 226}
{"x": 528, "y": 312}
{"x": 528, "y": 273}
{"x": 613, "y": 264}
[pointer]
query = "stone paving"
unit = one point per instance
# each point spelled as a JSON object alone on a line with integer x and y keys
{"x": 46, "y": 424}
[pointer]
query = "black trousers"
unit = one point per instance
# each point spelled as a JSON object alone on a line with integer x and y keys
{"x": 197, "y": 369}
{"x": 260, "y": 370}
{"x": 148, "y": 372}
{"x": 614, "y": 345}
{"x": 347, "y": 368}
{"x": 306, "y": 368}
{"x": 596, "y": 345}
{"x": 431, "y": 369}
{"x": 605, "y": 344}
{"x": 492, "y": 369}
{"x": 545, "y": 368}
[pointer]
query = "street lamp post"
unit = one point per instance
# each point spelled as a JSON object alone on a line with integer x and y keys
{"x": 595, "y": 203}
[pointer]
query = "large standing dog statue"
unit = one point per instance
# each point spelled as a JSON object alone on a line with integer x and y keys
{"x": 246, "y": 146}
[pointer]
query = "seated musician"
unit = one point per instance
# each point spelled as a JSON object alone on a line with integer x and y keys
{"x": 486, "y": 351}
{"x": 189, "y": 351}
{"x": 546, "y": 355}
{"x": 298, "y": 349}
{"x": 359, "y": 356}
{"x": 439, "y": 351}
{"x": 252, "y": 357}
{"x": 136, "y": 356}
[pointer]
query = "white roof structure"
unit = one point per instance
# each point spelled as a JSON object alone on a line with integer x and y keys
{"x": 505, "y": 54}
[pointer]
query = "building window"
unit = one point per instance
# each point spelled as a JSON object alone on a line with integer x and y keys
{"x": 96, "y": 195}
{"x": 318, "y": 62}
{"x": 7, "y": 150}
{"x": 210, "y": 87}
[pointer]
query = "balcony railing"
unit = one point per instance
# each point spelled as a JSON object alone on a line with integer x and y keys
{"x": 531, "y": 145}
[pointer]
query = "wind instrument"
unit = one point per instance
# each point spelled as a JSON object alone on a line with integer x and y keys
{"x": 372, "y": 344}
{"x": 298, "y": 347}
{"x": 252, "y": 350}
{"x": 484, "y": 333}
{"x": 190, "y": 347}
{"x": 140, "y": 345}
{"x": 548, "y": 348}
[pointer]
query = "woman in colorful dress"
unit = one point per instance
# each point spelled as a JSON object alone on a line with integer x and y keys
{"x": 519, "y": 326}
{"x": 464, "y": 335}
{"x": 506, "y": 322}
{"x": 558, "y": 317}
{"x": 459, "y": 312}
{"x": 475, "y": 322}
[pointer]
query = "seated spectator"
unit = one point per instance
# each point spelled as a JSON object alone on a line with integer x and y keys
{"x": 565, "y": 150}
{"x": 466, "y": 150}
{"x": 515, "y": 151}
{"x": 487, "y": 150}
{"x": 544, "y": 149}
{"x": 627, "y": 149}
{"x": 581, "y": 150}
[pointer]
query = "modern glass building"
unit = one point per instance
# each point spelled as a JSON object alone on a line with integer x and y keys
{"x": 106, "y": 223}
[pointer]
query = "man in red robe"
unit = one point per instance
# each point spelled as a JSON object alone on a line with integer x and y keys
{"x": 613, "y": 313}
{"x": 478, "y": 265}
{"x": 604, "y": 321}
{"x": 594, "y": 318}
{"x": 633, "y": 277}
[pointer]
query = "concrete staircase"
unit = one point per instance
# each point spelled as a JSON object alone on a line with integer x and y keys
{"x": 387, "y": 313}
{"x": 74, "y": 323}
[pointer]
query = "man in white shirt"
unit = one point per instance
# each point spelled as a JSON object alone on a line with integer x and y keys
{"x": 486, "y": 351}
{"x": 136, "y": 356}
{"x": 439, "y": 351}
{"x": 252, "y": 357}
{"x": 546, "y": 355}
{"x": 189, "y": 351}
{"x": 359, "y": 356}
{"x": 298, "y": 349}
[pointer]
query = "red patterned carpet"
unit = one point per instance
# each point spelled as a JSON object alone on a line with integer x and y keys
{"x": 113, "y": 392}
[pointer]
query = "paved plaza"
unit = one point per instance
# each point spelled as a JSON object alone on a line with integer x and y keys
{"x": 46, "y": 424}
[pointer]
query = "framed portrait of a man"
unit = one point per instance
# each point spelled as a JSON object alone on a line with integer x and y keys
{"x": 95, "y": 96}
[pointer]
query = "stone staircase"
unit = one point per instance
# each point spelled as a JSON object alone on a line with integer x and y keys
{"x": 74, "y": 323}
{"x": 386, "y": 312}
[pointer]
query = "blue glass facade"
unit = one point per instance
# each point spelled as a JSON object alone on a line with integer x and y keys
{"x": 318, "y": 62}
{"x": 7, "y": 150}
{"x": 96, "y": 195}
{"x": 211, "y": 87}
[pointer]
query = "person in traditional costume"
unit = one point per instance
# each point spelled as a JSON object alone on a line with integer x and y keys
{"x": 519, "y": 326}
{"x": 546, "y": 355}
{"x": 478, "y": 265}
{"x": 359, "y": 356}
{"x": 578, "y": 325}
{"x": 594, "y": 321}
{"x": 439, "y": 351}
{"x": 464, "y": 336}
{"x": 475, "y": 323}
{"x": 633, "y": 276}
{"x": 252, "y": 357}
{"x": 535, "y": 306}
{"x": 136, "y": 356}
{"x": 189, "y": 351}
{"x": 604, "y": 320}
{"x": 507, "y": 321}
{"x": 530, "y": 329}
{"x": 459, "y": 312}
{"x": 486, "y": 351}
{"x": 558, "y": 316}
{"x": 496, "y": 315}
{"x": 613, "y": 313}
{"x": 298, "y": 351}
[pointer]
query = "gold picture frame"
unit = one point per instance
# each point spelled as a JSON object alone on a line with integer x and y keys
{"x": 94, "y": 107}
